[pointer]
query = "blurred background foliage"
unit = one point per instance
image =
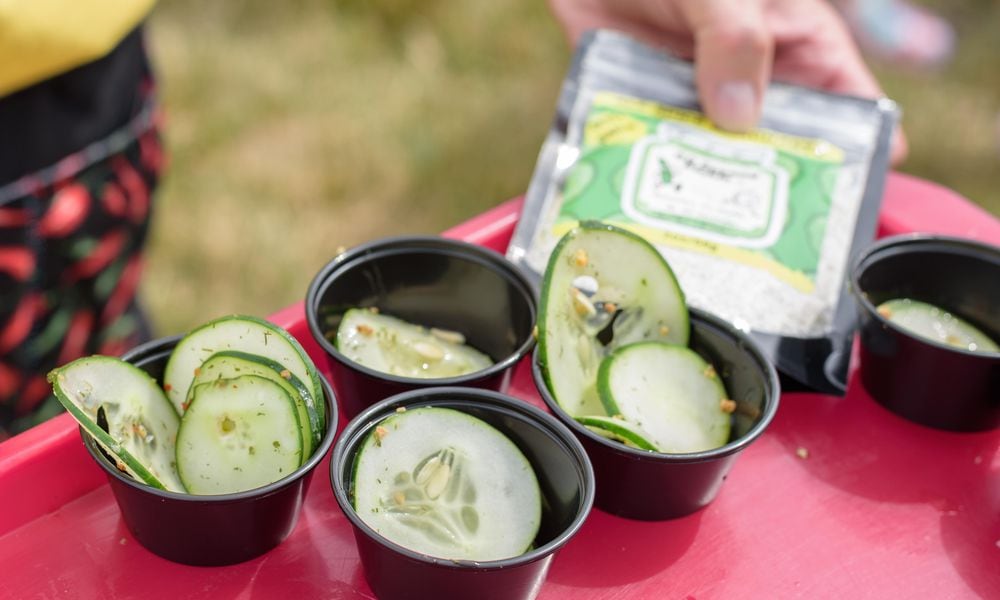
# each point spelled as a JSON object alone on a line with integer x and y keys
{"x": 301, "y": 126}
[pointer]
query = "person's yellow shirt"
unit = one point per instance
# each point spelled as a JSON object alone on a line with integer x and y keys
{"x": 43, "y": 38}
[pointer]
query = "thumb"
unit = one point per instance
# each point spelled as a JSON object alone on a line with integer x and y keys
{"x": 732, "y": 55}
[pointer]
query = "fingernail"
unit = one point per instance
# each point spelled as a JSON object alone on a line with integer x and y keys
{"x": 735, "y": 106}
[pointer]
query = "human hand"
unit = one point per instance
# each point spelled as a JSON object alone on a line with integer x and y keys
{"x": 737, "y": 46}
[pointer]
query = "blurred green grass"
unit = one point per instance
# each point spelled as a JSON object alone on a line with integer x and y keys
{"x": 952, "y": 116}
{"x": 298, "y": 127}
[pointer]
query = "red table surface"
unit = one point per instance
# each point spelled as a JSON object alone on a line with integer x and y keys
{"x": 838, "y": 499}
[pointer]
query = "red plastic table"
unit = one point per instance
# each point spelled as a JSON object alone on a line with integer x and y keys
{"x": 839, "y": 499}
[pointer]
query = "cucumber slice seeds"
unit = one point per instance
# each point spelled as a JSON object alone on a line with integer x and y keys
{"x": 937, "y": 325}
{"x": 444, "y": 483}
{"x": 256, "y": 420}
{"x": 141, "y": 422}
{"x": 394, "y": 346}
{"x": 604, "y": 288}
{"x": 612, "y": 341}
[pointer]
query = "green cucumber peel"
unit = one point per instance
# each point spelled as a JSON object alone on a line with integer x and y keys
{"x": 238, "y": 434}
{"x": 244, "y": 333}
{"x": 618, "y": 429}
{"x": 229, "y": 364}
{"x": 936, "y": 324}
{"x": 444, "y": 483}
{"x": 668, "y": 391}
{"x": 392, "y": 345}
{"x": 604, "y": 287}
{"x": 141, "y": 420}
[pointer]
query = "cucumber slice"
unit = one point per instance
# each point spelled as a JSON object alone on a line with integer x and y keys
{"x": 670, "y": 393}
{"x": 230, "y": 364}
{"x": 238, "y": 434}
{"x": 444, "y": 483}
{"x": 618, "y": 429}
{"x": 392, "y": 345}
{"x": 935, "y": 324}
{"x": 247, "y": 334}
{"x": 141, "y": 421}
{"x": 604, "y": 287}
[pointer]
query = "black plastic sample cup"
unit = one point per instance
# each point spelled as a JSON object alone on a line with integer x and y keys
{"x": 429, "y": 281}
{"x": 564, "y": 476}
{"x": 211, "y": 530}
{"x": 653, "y": 486}
{"x": 925, "y": 381}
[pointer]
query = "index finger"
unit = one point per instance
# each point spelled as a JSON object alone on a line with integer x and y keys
{"x": 733, "y": 53}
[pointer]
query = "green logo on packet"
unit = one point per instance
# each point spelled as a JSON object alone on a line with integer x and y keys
{"x": 760, "y": 199}
{"x": 685, "y": 182}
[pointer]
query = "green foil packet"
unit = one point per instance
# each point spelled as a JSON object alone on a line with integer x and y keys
{"x": 759, "y": 227}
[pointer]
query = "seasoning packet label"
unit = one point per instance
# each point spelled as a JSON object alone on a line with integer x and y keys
{"x": 758, "y": 227}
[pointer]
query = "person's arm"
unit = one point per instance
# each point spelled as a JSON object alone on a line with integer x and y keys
{"x": 739, "y": 45}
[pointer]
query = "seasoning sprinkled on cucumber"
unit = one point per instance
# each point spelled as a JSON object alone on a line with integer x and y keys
{"x": 141, "y": 424}
{"x": 619, "y": 429}
{"x": 230, "y": 364}
{"x": 247, "y": 420}
{"x": 238, "y": 434}
{"x": 604, "y": 287}
{"x": 446, "y": 484}
{"x": 236, "y": 332}
{"x": 937, "y": 325}
{"x": 392, "y": 345}
{"x": 669, "y": 393}
{"x": 612, "y": 341}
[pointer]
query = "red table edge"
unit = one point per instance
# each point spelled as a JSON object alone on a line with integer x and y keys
{"x": 911, "y": 204}
{"x": 47, "y": 466}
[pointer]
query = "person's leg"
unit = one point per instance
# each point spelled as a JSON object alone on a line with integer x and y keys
{"x": 72, "y": 232}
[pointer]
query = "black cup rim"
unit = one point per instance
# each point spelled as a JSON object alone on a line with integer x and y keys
{"x": 921, "y": 242}
{"x": 321, "y": 451}
{"x": 731, "y": 447}
{"x": 425, "y": 397}
{"x": 399, "y": 245}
